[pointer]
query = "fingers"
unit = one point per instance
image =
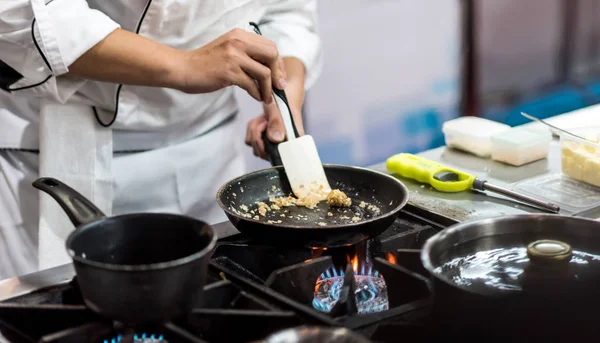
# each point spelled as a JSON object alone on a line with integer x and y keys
{"x": 267, "y": 54}
{"x": 264, "y": 51}
{"x": 246, "y": 82}
{"x": 282, "y": 68}
{"x": 258, "y": 145}
{"x": 275, "y": 127}
{"x": 262, "y": 75}
{"x": 272, "y": 123}
{"x": 254, "y": 132}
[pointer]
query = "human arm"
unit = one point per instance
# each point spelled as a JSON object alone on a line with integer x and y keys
{"x": 67, "y": 42}
{"x": 236, "y": 58}
{"x": 38, "y": 41}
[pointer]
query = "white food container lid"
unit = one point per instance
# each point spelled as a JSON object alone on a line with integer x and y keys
{"x": 472, "y": 134}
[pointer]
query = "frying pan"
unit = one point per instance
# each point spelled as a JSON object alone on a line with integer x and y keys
{"x": 134, "y": 268}
{"x": 319, "y": 227}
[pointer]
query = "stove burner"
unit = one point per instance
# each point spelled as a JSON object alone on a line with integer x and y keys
{"x": 137, "y": 338}
{"x": 370, "y": 293}
{"x": 263, "y": 289}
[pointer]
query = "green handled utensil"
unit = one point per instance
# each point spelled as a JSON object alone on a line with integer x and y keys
{"x": 449, "y": 180}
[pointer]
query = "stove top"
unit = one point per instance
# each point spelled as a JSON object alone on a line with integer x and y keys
{"x": 377, "y": 288}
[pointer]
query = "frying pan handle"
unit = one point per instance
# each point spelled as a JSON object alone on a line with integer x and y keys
{"x": 79, "y": 209}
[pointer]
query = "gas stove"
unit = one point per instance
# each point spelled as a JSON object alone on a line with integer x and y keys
{"x": 377, "y": 288}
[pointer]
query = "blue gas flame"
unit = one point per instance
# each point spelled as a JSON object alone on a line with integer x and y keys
{"x": 139, "y": 338}
{"x": 371, "y": 293}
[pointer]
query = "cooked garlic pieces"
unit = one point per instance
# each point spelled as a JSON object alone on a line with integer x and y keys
{"x": 581, "y": 161}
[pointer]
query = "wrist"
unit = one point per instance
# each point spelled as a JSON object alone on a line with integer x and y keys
{"x": 176, "y": 76}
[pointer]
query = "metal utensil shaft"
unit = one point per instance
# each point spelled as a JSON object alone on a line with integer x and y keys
{"x": 484, "y": 185}
{"x": 529, "y": 116}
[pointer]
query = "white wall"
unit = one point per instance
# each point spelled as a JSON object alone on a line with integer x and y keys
{"x": 391, "y": 77}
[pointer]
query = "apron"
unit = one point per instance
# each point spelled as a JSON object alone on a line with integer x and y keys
{"x": 181, "y": 178}
{"x": 75, "y": 149}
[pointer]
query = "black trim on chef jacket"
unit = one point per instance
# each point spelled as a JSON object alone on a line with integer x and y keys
{"x": 31, "y": 86}
{"x": 5, "y": 83}
{"x": 8, "y": 76}
{"x": 35, "y": 42}
{"x": 37, "y": 45}
{"x": 137, "y": 31}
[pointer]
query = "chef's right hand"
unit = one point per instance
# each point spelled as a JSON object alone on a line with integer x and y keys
{"x": 238, "y": 58}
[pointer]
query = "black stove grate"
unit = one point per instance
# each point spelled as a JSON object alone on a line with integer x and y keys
{"x": 291, "y": 276}
{"x": 57, "y": 320}
{"x": 261, "y": 289}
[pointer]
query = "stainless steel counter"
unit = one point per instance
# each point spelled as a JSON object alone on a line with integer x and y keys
{"x": 458, "y": 207}
{"x": 25, "y": 284}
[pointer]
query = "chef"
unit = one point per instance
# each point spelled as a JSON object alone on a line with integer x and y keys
{"x": 131, "y": 102}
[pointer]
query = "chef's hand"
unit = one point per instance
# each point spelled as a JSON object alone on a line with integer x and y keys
{"x": 270, "y": 120}
{"x": 238, "y": 58}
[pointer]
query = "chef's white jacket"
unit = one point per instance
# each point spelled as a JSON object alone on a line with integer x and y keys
{"x": 161, "y": 138}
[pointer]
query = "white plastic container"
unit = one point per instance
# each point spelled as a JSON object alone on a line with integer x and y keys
{"x": 472, "y": 134}
{"x": 580, "y": 159}
{"x": 519, "y": 146}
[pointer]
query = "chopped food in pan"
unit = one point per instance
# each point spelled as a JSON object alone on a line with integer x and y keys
{"x": 291, "y": 201}
{"x": 283, "y": 201}
{"x": 277, "y": 205}
{"x": 263, "y": 208}
{"x": 335, "y": 198}
{"x": 338, "y": 198}
{"x": 312, "y": 193}
{"x": 370, "y": 207}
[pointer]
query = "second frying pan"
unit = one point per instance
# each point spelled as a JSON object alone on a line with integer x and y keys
{"x": 376, "y": 197}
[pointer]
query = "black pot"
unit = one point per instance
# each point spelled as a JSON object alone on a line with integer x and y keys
{"x": 134, "y": 268}
{"x": 522, "y": 277}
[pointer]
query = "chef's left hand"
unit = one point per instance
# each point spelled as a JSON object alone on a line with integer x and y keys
{"x": 270, "y": 120}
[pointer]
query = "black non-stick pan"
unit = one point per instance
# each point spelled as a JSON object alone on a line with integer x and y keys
{"x": 376, "y": 200}
{"x": 135, "y": 268}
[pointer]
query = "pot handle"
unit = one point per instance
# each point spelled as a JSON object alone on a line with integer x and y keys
{"x": 80, "y": 210}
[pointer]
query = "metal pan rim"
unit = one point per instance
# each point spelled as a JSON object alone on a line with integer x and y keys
{"x": 393, "y": 212}
{"x": 142, "y": 267}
